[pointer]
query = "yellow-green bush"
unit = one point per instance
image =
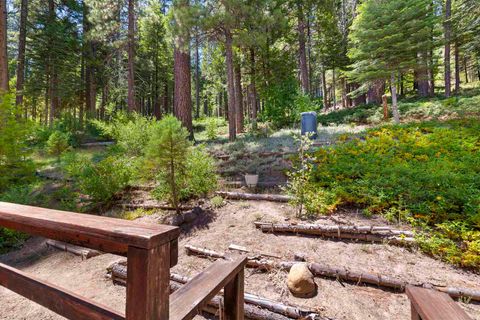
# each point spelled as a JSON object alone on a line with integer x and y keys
{"x": 426, "y": 173}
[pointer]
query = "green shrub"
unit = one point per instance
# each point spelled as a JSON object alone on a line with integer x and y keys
{"x": 15, "y": 166}
{"x": 132, "y": 132}
{"x": 212, "y": 129}
{"x": 426, "y": 173}
{"x": 100, "y": 179}
{"x": 58, "y": 143}
{"x": 201, "y": 176}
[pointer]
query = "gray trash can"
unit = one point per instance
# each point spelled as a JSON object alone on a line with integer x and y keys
{"x": 309, "y": 123}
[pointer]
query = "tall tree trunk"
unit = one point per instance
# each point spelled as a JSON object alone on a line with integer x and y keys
{"x": 182, "y": 100}
{"x": 396, "y": 115}
{"x": 457, "y": 68}
{"x": 465, "y": 67}
{"x": 21, "y": 51}
{"x": 431, "y": 73}
{"x": 422, "y": 76}
{"x": 182, "y": 92}
{"x": 230, "y": 86}
{"x": 334, "y": 94}
{"x": 447, "y": 31}
{"x": 3, "y": 47}
{"x": 238, "y": 98}
{"x": 131, "y": 57}
{"x": 326, "y": 103}
{"x": 376, "y": 91}
{"x": 253, "y": 89}
{"x": 89, "y": 56}
{"x": 197, "y": 76}
{"x": 302, "y": 55}
{"x": 51, "y": 67}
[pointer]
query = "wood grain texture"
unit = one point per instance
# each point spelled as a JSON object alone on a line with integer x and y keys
{"x": 63, "y": 302}
{"x": 234, "y": 298}
{"x": 434, "y": 305}
{"x": 148, "y": 283}
{"x": 95, "y": 232}
{"x": 189, "y": 300}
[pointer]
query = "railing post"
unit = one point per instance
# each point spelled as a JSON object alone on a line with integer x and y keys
{"x": 415, "y": 315}
{"x": 234, "y": 298}
{"x": 148, "y": 283}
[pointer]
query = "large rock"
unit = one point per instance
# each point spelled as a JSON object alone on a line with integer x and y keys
{"x": 300, "y": 281}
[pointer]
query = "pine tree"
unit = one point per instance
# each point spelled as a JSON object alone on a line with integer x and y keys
{"x": 386, "y": 37}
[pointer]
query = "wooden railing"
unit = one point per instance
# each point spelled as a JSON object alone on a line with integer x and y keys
{"x": 151, "y": 250}
{"x": 427, "y": 304}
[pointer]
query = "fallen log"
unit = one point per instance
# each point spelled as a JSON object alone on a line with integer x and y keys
{"x": 152, "y": 206}
{"x": 97, "y": 144}
{"x": 260, "y": 184}
{"x": 363, "y": 233}
{"x": 253, "y": 196}
{"x": 243, "y": 249}
{"x": 258, "y": 307}
{"x": 85, "y": 253}
{"x": 345, "y": 274}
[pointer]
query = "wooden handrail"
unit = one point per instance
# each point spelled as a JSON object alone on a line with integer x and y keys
{"x": 428, "y": 304}
{"x": 151, "y": 250}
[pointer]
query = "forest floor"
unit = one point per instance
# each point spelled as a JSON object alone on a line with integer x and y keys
{"x": 234, "y": 224}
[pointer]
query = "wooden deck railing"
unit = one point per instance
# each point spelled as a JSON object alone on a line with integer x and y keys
{"x": 427, "y": 304}
{"x": 150, "y": 249}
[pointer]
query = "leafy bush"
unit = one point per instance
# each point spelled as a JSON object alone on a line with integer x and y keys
{"x": 15, "y": 166}
{"x": 426, "y": 173}
{"x": 132, "y": 132}
{"x": 201, "y": 173}
{"x": 100, "y": 179}
{"x": 212, "y": 129}
{"x": 284, "y": 104}
{"x": 58, "y": 143}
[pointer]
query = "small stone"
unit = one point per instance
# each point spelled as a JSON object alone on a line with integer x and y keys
{"x": 300, "y": 281}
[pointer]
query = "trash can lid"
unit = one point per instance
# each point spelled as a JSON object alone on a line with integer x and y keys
{"x": 313, "y": 113}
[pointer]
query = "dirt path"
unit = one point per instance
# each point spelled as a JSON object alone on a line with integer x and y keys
{"x": 234, "y": 224}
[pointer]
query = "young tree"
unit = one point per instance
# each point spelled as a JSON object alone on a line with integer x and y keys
{"x": 167, "y": 153}
{"x": 386, "y": 36}
{"x": 3, "y": 47}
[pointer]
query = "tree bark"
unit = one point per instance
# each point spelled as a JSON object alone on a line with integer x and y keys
{"x": 4, "y": 87}
{"x": 230, "y": 86}
{"x": 302, "y": 54}
{"x": 457, "y": 68}
{"x": 197, "y": 76}
{"x": 238, "y": 98}
{"x": 89, "y": 53}
{"x": 465, "y": 67}
{"x": 53, "y": 80}
{"x": 21, "y": 51}
{"x": 396, "y": 115}
{"x": 376, "y": 91}
{"x": 447, "y": 31}
{"x": 182, "y": 92}
{"x": 253, "y": 90}
{"x": 422, "y": 76}
{"x": 182, "y": 101}
{"x": 131, "y": 101}
{"x": 326, "y": 103}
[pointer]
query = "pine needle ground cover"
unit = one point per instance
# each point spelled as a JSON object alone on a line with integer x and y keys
{"x": 425, "y": 173}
